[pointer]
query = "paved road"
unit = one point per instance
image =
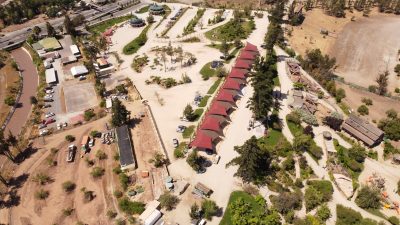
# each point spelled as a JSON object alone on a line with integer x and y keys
{"x": 30, "y": 82}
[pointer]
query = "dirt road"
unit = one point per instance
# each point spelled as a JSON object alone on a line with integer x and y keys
{"x": 30, "y": 84}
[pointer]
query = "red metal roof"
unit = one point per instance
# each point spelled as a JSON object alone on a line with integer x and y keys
{"x": 243, "y": 64}
{"x": 217, "y": 109}
{"x": 231, "y": 84}
{"x": 225, "y": 96}
{"x": 250, "y": 47}
{"x": 237, "y": 73}
{"x": 108, "y": 32}
{"x": 246, "y": 55}
{"x": 211, "y": 123}
{"x": 202, "y": 141}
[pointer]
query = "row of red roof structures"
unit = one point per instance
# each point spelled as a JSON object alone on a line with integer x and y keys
{"x": 211, "y": 127}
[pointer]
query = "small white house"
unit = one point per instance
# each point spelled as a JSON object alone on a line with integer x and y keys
{"x": 75, "y": 50}
{"x": 79, "y": 70}
{"x": 51, "y": 76}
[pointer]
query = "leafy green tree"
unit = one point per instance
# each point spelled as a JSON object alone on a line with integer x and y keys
{"x": 312, "y": 198}
{"x": 324, "y": 213}
{"x": 363, "y": 110}
{"x": 194, "y": 160}
{"x": 168, "y": 201}
{"x": 188, "y": 113}
{"x": 69, "y": 26}
{"x": 254, "y": 162}
{"x": 51, "y": 32}
{"x": 224, "y": 49}
{"x": 368, "y": 198}
{"x": 382, "y": 81}
{"x": 209, "y": 209}
{"x": 340, "y": 94}
{"x": 120, "y": 115}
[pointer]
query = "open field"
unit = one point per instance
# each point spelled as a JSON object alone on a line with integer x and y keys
{"x": 368, "y": 47}
{"x": 86, "y": 99}
{"x": 380, "y": 104}
{"x": 8, "y": 77}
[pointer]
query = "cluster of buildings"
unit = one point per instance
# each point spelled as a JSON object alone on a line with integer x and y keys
{"x": 216, "y": 117}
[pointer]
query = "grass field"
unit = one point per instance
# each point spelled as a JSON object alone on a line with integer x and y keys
{"x": 227, "y": 32}
{"x": 214, "y": 87}
{"x": 207, "y": 72}
{"x": 143, "y": 10}
{"x": 188, "y": 131}
{"x": 133, "y": 46}
{"x": 198, "y": 112}
{"x": 294, "y": 129}
{"x": 254, "y": 207}
{"x": 204, "y": 101}
{"x": 273, "y": 137}
{"x": 103, "y": 26}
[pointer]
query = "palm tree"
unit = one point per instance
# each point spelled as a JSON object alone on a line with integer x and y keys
{"x": 3, "y": 180}
{"x": 5, "y": 148}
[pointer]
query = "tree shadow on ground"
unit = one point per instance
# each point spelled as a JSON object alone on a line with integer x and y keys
{"x": 17, "y": 182}
{"x": 27, "y": 153}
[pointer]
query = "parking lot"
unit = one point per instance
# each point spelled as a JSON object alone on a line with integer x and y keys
{"x": 79, "y": 97}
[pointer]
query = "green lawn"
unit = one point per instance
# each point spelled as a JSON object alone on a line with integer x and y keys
{"x": 255, "y": 207}
{"x": 214, "y": 87}
{"x": 277, "y": 83}
{"x": 294, "y": 129}
{"x": 273, "y": 137}
{"x": 207, "y": 72}
{"x": 143, "y": 10}
{"x": 232, "y": 55}
{"x": 198, "y": 112}
{"x": 345, "y": 108}
{"x": 230, "y": 31}
{"x": 133, "y": 46}
{"x": 188, "y": 131}
{"x": 103, "y": 26}
{"x": 179, "y": 151}
{"x": 204, "y": 101}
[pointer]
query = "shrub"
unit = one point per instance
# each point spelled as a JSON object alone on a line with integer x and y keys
{"x": 312, "y": 198}
{"x": 178, "y": 153}
{"x": 89, "y": 162}
{"x": 97, "y": 172}
{"x": 68, "y": 186}
{"x": 294, "y": 117}
{"x": 117, "y": 170}
{"x": 68, "y": 211}
{"x": 367, "y": 101}
{"x": 41, "y": 194}
{"x": 124, "y": 180}
{"x": 209, "y": 209}
{"x": 307, "y": 117}
{"x": 118, "y": 193}
{"x": 87, "y": 195}
{"x": 324, "y": 213}
{"x": 363, "y": 110}
{"x": 111, "y": 214}
{"x": 94, "y": 133}
{"x": 158, "y": 160}
{"x": 88, "y": 115}
{"x": 168, "y": 201}
{"x": 69, "y": 138}
{"x": 9, "y": 100}
{"x": 287, "y": 201}
{"x": 130, "y": 207}
{"x": 101, "y": 155}
{"x": 368, "y": 198}
{"x": 372, "y": 88}
{"x": 41, "y": 178}
{"x": 340, "y": 94}
{"x": 394, "y": 220}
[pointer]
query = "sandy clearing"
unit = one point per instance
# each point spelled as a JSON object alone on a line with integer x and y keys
{"x": 123, "y": 36}
{"x": 177, "y": 29}
{"x": 208, "y": 15}
{"x": 368, "y": 47}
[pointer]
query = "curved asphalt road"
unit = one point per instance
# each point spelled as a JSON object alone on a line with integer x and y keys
{"x": 30, "y": 84}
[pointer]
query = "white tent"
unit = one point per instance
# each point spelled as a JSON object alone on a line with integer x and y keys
{"x": 51, "y": 76}
{"x": 75, "y": 50}
{"x": 79, "y": 70}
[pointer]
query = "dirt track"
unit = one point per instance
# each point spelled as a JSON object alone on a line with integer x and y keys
{"x": 30, "y": 82}
{"x": 367, "y": 47}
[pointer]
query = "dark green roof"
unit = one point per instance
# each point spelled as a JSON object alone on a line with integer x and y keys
{"x": 136, "y": 21}
{"x": 155, "y": 7}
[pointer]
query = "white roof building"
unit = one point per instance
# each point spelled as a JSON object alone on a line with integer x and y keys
{"x": 79, "y": 70}
{"x": 51, "y": 76}
{"x": 108, "y": 103}
{"x": 75, "y": 50}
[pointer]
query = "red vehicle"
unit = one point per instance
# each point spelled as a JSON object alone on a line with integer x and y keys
{"x": 49, "y": 121}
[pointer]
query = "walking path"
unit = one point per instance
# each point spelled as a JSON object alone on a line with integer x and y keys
{"x": 30, "y": 84}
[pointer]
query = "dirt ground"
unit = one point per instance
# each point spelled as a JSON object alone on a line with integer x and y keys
{"x": 8, "y": 77}
{"x": 49, "y": 211}
{"x": 307, "y": 35}
{"x": 368, "y": 47}
{"x": 380, "y": 104}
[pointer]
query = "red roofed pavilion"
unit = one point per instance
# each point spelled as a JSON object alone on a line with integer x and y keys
{"x": 250, "y": 47}
{"x": 243, "y": 64}
{"x": 231, "y": 84}
{"x": 247, "y": 55}
{"x": 217, "y": 109}
{"x": 202, "y": 141}
{"x": 211, "y": 123}
{"x": 238, "y": 73}
{"x": 225, "y": 96}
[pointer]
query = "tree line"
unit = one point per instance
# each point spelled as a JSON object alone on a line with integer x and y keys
{"x": 17, "y": 11}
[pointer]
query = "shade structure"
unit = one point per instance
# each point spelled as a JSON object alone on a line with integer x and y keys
{"x": 231, "y": 84}
{"x": 247, "y": 55}
{"x": 250, "y": 47}
{"x": 202, "y": 141}
{"x": 238, "y": 73}
{"x": 217, "y": 109}
{"x": 221, "y": 119}
{"x": 211, "y": 123}
{"x": 225, "y": 96}
{"x": 243, "y": 64}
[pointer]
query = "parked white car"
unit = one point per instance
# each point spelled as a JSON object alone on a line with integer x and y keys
{"x": 49, "y": 91}
{"x": 50, "y": 114}
{"x": 43, "y": 132}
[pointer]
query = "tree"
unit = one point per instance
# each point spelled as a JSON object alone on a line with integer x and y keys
{"x": 33, "y": 100}
{"x": 36, "y": 30}
{"x": 254, "y": 162}
{"x": 286, "y": 201}
{"x": 368, "y": 198}
{"x": 363, "y": 110}
{"x": 158, "y": 160}
{"x": 312, "y": 198}
{"x": 188, "y": 113}
{"x": 302, "y": 143}
{"x": 68, "y": 186}
{"x": 391, "y": 114}
{"x": 69, "y": 138}
{"x": 382, "y": 81}
{"x": 209, "y": 209}
{"x": 340, "y": 94}
{"x": 334, "y": 120}
{"x": 224, "y": 49}
{"x": 120, "y": 115}
{"x": 194, "y": 212}
{"x": 397, "y": 69}
{"x": 97, "y": 172}
{"x": 168, "y": 201}
{"x": 11, "y": 139}
{"x": 194, "y": 160}
{"x": 5, "y": 147}
{"x": 324, "y": 213}
{"x": 101, "y": 155}
{"x": 150, "y": 19}
{"x": 69, "y": 26}
{"x": 51, "y": 32}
